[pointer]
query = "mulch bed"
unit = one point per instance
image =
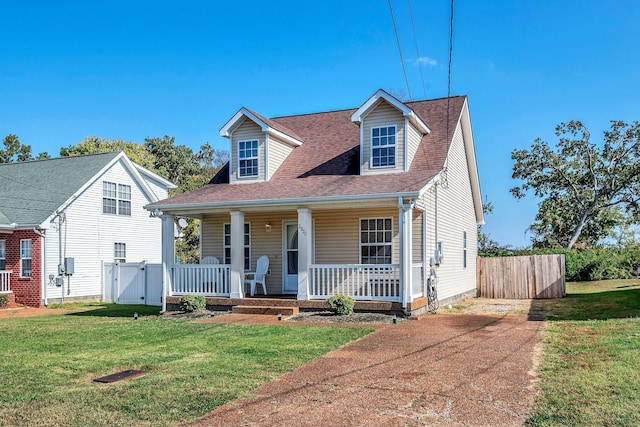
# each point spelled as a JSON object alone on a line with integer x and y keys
{"x": 327, "y": 316}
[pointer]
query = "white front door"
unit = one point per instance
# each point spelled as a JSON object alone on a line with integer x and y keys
{"x": 290, "y": 257}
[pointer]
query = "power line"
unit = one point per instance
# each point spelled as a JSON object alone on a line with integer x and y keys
{"x": 415, "y": 39}
{"x": 395, "y": 29}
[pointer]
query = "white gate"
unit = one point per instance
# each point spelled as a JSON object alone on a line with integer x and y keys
{"x": 132, "y": 283}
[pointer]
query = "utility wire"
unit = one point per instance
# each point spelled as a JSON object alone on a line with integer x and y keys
{"x": 415, "y": 39}
{"x": 395, "y": 29}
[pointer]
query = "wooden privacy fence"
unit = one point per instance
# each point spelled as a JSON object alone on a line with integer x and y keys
{"x": 521, "y": 277}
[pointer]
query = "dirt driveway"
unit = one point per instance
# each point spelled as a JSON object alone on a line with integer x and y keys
{"x": 442, "y": 370}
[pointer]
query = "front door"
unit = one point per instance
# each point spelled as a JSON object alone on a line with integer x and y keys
{"x": 290, "y": 257}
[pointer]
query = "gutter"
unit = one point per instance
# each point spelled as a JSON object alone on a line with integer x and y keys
{"x": 285, "y": 202}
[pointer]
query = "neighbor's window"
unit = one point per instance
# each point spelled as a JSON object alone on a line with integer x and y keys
{"x": 120, "y": 252}
{"x": 383, "y": 146}
{"x": 116, "y": 198}
{"x": 247, "y": 245}
{"x": 248, "y": 158}
{"x": 3, "y": 254}
{"x": 25, "y": 258}
{"x": 376, "y": 240}
{"x": 464, "y": 249}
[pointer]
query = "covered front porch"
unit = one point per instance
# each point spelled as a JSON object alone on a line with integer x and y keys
{"x": 372, "y": 253}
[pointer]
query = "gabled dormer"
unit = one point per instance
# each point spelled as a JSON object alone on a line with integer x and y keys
{"x": 258, "y": 146}
{"x": 390, "y": 133}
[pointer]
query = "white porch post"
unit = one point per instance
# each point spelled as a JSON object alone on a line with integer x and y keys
{"x": 405, "y": 219}
{"x": 168, "y": 256}
{"x": 237, "y": 254}
{"x": 305, "y": 234}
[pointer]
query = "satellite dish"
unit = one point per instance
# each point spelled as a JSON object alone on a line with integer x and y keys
{"x": 182, "y": 223}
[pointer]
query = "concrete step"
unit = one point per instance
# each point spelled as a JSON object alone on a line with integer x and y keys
{"x": 262, "y": 309}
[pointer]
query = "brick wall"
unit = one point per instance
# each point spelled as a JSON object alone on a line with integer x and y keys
{"x": 26, "y": 290}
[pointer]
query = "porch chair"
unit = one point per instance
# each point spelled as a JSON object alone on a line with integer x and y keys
{"x": 259, "y": 276}
{"x": 210, "y": 260}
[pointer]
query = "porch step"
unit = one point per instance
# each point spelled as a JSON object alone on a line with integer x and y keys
{"x": 263, "y": 309}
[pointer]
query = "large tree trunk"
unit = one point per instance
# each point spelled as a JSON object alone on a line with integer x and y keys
{"x": 576, "y": 233}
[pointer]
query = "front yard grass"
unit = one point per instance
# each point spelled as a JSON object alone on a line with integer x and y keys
{"x": 589, "y": 372}
{"x": 48, "y": 364}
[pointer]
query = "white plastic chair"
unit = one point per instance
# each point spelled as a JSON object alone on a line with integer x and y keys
{"x": 259, "y": 276}
{"x": 210, "y": 260}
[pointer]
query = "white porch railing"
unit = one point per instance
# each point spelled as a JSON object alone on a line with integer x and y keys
{"x": 201, "y": 279}
{"x": 359, "y": 281}
{"x": 5, "y": 276}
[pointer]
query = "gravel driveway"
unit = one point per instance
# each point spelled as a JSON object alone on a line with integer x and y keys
{"x": 441, "y": 370}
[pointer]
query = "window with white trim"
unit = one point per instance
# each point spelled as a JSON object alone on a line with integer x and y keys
{"x": 120, "y": 252}
{"x": 3, "y": 254}
{"x": 25, "y": 258}
{"x": 247, "y": 245}
{"x": 383, "y": 146}
{"x": 376, "y": 240}
{"x": 248, "y": 158}
{"x": 116, "y": 198}
{"x": 464, "y": 249}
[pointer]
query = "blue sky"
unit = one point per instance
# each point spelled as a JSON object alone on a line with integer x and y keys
{"x": 133, "y": 69}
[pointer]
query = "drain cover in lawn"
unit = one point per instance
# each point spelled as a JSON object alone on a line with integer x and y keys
{"x": 118, "y": 376}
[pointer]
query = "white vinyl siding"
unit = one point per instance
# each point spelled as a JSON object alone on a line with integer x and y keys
{"x": 383, "y": 115}
{"x": 3, "y": 254}
{"x": 88, "y": 236}
{"x": 413, "y": 142}
{"x": 455, "y": 214}
{"x": 247, "y": 131}
{"x": 25, "y": 258}
{"x": 278, "y": 152}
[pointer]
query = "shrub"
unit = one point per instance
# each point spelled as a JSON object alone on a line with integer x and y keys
{"x": 4, "y": 300}
{"x": 341, "y": 304}
{"x": 192, "y": 303}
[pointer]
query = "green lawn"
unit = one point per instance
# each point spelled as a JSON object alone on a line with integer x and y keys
{"x": 48, "y": 363}
{"x": 591, "y": 365}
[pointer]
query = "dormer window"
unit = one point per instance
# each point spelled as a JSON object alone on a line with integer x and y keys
{"x": 383, "y": 146}
{"x": 248, "y": 158}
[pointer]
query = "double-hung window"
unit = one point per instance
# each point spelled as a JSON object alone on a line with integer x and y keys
{"x": 116, "y": 198}
{"x": 120, "y": 252}
{"x": 383, "y": 146}
{"x": 248, "y": 158}
{"x": 247, "y": 245}
{"x": 25, "y": 258}
{"x": 376, "y": 240}
{"x": 3, "y": 255}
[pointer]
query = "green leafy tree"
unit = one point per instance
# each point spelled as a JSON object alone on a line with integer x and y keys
{"x": 14, "y": 150}
{"x": 174, "y": 162}
{"x": 95, "y": 145}
{"x": 582, "y": 184}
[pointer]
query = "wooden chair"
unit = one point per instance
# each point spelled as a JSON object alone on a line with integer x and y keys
{"x": 259, "y": 276}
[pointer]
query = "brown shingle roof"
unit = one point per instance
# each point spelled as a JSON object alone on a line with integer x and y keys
{"x": 327, "y": 163}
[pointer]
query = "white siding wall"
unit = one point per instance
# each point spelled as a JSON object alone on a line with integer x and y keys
{"x": 455, "y": 215}
{"x": 90, "y": 236}
{"x": 159, "y": 190}
{"x": 278, "y": 152}
{"x": 413, "y": 142}
{"x": 248, "y": 130}
{"x": 383, "y": 115}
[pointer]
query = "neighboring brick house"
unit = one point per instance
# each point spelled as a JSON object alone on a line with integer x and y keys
{"x": 380, "y": 202}
{"x": 85, "y": 208}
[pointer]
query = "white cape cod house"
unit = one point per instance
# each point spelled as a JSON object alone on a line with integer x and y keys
{"x": 62, "y": 219}
{"x": 377, "y": 202}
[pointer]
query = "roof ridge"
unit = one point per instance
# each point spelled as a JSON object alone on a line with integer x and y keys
{"x": 61, "y": 158}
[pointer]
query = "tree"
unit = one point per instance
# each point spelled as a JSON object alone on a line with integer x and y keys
{"x": 14, "y": 150}
{"x": 94, "y": 145}
{"x": 584, "y": 187}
